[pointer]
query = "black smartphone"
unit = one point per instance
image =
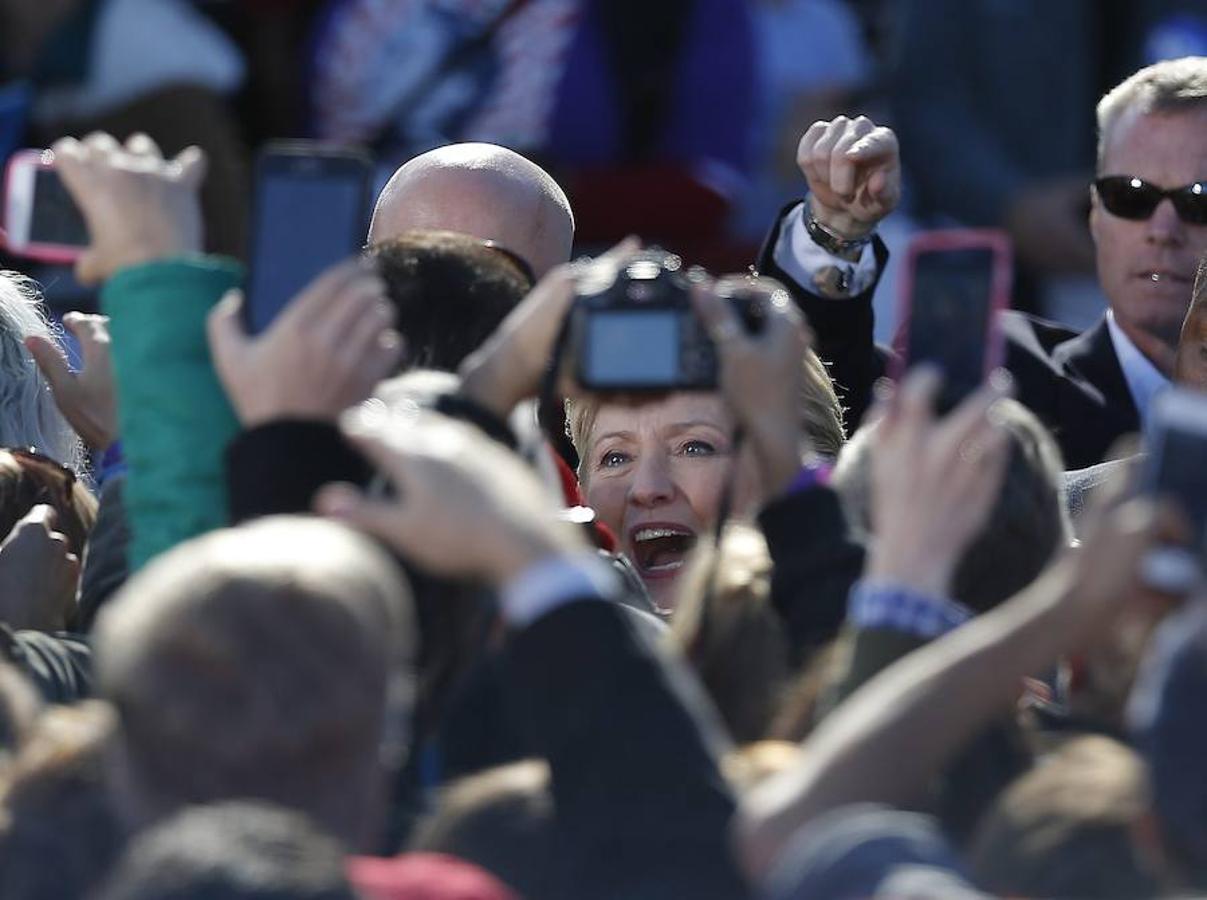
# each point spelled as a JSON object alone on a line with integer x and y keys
{"x": 1176, "y": 468}
{"x": 310, "y": 211}
{"x": 956, "y": 283}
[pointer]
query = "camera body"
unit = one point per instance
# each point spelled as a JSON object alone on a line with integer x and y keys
{"x": 638, "y": 332}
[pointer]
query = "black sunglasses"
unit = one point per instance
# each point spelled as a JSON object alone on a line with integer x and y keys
{"x": 1133, "y": 198}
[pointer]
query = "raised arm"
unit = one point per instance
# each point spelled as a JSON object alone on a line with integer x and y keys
{"x": 826, "y": 250}
{"x": 144, "y": 222}
{"x": 895, "y": 733}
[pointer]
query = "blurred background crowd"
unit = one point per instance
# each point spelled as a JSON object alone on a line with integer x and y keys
{"x": 677, "y": 118}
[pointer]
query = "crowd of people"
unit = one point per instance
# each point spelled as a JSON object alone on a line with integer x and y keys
{"x": 387, "y": 602}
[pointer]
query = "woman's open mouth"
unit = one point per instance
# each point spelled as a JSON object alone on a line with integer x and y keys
{"x": 660, "y": 549}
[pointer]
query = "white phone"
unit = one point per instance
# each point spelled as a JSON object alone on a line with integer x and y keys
{"x": 41, "y": 221}
{"x": 1176, "y": 468}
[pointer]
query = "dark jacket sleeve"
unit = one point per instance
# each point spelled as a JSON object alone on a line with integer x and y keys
{"x": 843, "y": 328}
{"x": 59, "y": 665}
{"x": 642, "y": 810}
{"x": 816, "y": 560}
{"x": 276, "y": 468}
{"x": 105, "y": 566}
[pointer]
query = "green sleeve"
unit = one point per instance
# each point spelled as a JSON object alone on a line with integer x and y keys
{"x": 174, "y": 415}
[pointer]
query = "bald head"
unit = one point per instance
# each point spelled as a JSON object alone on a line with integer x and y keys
{"x": 482, "y": 190}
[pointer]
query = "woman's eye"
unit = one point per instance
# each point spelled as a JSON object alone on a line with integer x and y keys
{"x": 612, "y": 459}
{"x": 698, "y": 448}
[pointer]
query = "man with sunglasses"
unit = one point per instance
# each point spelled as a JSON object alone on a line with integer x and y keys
{"x": 1149, "y": 223}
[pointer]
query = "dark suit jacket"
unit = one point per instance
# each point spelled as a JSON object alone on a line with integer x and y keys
{"x": 640, "y": 806}
{"x": 1072, "y": 382}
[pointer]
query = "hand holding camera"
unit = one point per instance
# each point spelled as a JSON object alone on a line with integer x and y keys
{"x": 637, "y": 330}
{"x": 508, "y": 368}
{"x": 762, "y": 371}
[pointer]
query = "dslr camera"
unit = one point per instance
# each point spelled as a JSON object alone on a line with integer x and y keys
{"x": 634, "y": 329}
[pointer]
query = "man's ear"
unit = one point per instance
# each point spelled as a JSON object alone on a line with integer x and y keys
{"x": 1095, "y": 213}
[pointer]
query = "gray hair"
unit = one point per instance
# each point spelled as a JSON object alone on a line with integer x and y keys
{"x": 28, "y": 414}
{"x": 1171, "y": 86}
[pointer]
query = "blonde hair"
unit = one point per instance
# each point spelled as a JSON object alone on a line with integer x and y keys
{"x": 731, "y": 635}
{"x": 1171, "y": 86}
{"x": 821, "y": 413}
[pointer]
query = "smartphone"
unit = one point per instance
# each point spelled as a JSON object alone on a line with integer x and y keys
{"x": 1176, "y": 467}
{"x": 41, "y": 221}
{"x": 310, "y": 210}
{"x": 955, "y": 285}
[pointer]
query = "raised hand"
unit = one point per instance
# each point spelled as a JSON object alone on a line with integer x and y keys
{"x": 853, "y": 168}
{"x": 761, "y": 374}
{"x": 465, "y": 507}
{"x": 934, "y": 482}
{"x": 325, "y": 352}
{"x": 509, "y": 367}
{"x": 88, "y": 398}
{"x": 39, "y": 574}
{"x": 139, "y": 207}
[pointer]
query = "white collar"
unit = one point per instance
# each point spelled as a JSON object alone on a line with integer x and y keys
{"x": 1144, "y": 380}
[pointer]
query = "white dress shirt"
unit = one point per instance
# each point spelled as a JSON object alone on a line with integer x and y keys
{"x": 801, "y": 257}
{"x": 1144, "y": 380}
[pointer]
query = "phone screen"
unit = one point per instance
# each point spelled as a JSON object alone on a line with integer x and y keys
{"x": 949, "y": 316}
{"x": 305, "y": 221}
{"x": 628, "y": 347}
{"x": 55, "y": 218}
{"x": 1180, "y": 473}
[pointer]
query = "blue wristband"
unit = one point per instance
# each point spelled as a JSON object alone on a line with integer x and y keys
{"x": 111, "y": 463}
{"x": 878, "y": 604}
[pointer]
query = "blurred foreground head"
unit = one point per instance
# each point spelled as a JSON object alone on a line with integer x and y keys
{"x": 237, "y": 851}
{"x": 1167, "y": 726}
{"x": 1071, "y": 827}
{"x": 482, "y": 190}
{"x": 271, "y": 661}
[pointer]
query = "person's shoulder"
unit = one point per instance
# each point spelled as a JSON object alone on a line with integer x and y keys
{"x": 1081, "y": 484}
{"x": 1033, "y": 341}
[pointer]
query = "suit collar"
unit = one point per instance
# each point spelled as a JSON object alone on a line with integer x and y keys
{"x": 1091, "y": 355}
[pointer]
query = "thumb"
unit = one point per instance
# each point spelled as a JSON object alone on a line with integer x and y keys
{"x": 43, "y": 514}
{"x": 89, "y": 269}
{"x": 382, "y": 519}
{"x": 193, "y": 166}
{"x": 224, "y": 326}
{"x": 50, "y": 360}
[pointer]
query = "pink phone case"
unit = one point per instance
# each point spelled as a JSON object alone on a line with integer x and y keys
{"x": 50, "y": 253}
{"x": 999, "y": 244}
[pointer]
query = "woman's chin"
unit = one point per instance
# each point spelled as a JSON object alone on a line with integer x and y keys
{"x": 663, "y": 590}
